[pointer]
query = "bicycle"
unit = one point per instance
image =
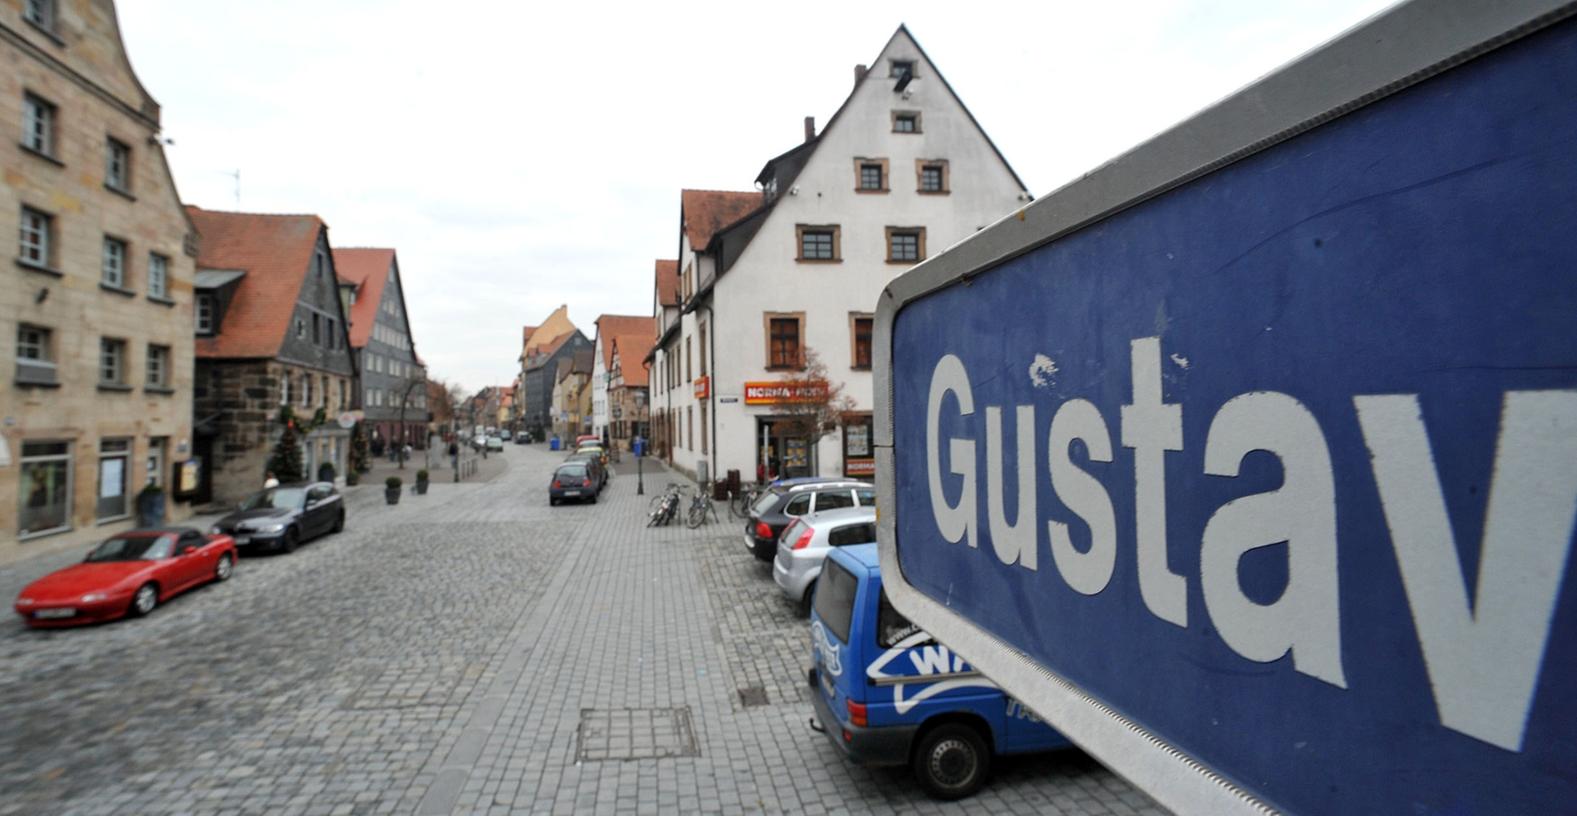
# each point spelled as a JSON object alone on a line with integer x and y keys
{"x": 664, "y": 506}
{"x": 740, "y": 501}
{"x": 700, "y": 506}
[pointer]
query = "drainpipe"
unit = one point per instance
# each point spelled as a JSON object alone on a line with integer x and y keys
{"x": 711, "y": 389}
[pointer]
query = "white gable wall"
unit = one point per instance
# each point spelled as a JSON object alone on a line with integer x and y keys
{"x": 767, "y": 278}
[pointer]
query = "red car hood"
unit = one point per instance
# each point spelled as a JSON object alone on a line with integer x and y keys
{"x": 75, "y": 581}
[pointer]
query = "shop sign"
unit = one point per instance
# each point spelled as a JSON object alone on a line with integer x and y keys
{"x": 859, "y": 467}
{"x": 703, "y": 387}
{"x": 779, "y": 393}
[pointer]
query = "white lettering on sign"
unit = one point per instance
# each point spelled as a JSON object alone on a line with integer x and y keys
{"x": 1482, "y": 650}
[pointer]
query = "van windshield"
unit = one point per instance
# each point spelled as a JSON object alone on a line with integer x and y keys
{"x": 835, "y": 599}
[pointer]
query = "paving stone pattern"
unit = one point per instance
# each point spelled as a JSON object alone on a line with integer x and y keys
{"x": 470, "y": 651}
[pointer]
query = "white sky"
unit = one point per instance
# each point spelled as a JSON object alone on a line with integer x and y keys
{"x": 520, "y": 155}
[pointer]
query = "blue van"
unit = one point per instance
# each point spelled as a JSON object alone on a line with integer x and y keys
{"x": 886, "y": 693}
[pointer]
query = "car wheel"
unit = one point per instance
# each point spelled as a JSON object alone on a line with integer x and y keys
{"x": 339, "y": 522}
{"x": 289, "y": 541}
{"x": 804, "y": 603}
{"x": 951, "y": 761}
{"x": 144, "y": 601}
{"x": 594, "y": 497}
{"x": 552, "y": 502}
{"x": 225, "y": 568}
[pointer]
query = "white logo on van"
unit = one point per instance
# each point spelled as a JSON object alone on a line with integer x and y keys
{"x": 937, "y": 668}
{"x": 829, "y": 651}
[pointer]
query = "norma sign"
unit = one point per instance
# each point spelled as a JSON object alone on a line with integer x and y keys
{"x": 1258, "y": 477}
{"x": 703, "y": 387}
{"x": 778, "y": 393}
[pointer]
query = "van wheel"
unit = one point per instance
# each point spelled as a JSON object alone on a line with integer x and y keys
{"x": 951, "y": 761}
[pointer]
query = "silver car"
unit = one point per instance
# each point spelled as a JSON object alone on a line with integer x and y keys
{"x": 805, "y": 543}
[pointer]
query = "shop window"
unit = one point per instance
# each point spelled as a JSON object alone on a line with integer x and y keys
{"x": 46, "y": 488}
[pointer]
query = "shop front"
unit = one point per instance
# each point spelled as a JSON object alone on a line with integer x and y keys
{"x": 785, "y": 446}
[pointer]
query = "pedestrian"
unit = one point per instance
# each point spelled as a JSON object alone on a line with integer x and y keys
{"x": 269, "y": 481}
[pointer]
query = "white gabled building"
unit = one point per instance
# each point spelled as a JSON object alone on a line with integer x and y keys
{"x": 901, "y": 170}
{"x": 610, "y": 327}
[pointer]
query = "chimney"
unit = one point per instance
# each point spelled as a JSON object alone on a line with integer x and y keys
{"x": 810, "y": 128}
{"x": 859, "y": 73}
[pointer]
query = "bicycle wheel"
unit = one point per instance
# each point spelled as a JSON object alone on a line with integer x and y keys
{"x": 739, "y": 505}
{"x": 696, "y": 516}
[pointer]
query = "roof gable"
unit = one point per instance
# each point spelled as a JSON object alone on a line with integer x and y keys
{"x": 368, "y": 270}
{"x": 275, "y": 252}
{"x": 612, "y": 326}
{"x": 667, "y": 283}
{"x": 632, "y": 350}
{"x": 557, "y": 325}
{"x": 703, "y": 212}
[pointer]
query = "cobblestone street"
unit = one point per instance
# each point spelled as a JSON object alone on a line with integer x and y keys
{"x": 471, "y": 650}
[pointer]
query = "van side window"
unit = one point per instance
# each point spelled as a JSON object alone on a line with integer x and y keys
{"x": 892, "y": 627}
{"x": 798, "y": 506}
{"x": 833, "y": 500}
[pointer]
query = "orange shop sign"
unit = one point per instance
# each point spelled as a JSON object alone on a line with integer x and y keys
{"x": 779, "y": 393}
{"x": 703, "y": 387}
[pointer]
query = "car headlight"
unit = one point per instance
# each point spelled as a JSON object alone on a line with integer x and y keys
{"x": 269, "y": 528}
{"x": 95, "y": 597}
{"x": 214, "y": 530}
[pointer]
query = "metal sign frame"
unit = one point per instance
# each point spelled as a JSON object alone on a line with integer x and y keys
{"x": 1381, "y": 56}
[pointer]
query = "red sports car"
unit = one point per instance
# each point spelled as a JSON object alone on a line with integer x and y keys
{"x": 128, "y": 574}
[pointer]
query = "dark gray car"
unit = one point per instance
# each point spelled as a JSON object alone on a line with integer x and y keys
{"x": 779, "y": 506}
{"x": 279, "y": 518}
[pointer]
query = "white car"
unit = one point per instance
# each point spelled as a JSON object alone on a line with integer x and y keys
{"x": 494, "y": 443}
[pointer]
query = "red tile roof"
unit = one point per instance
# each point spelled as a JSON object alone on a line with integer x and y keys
{"x": 633, "y": 349}
{"x": 667, "y": 283}
{"x": 612, "y": 326}
{"x": 707, "y": 211}
{"x": 368, "y": 269}
{"x": 275, "y": 251}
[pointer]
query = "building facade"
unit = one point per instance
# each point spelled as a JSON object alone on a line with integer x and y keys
{"x": 901, "y": 171}
{"x": 542, "y": 346}
{"x": 271, "y": 336}
{"x": 393, "y": 381}
{"x": 609, "y": 329}
{"x": 628, "y": 398}
{"x": 98, "y": 311}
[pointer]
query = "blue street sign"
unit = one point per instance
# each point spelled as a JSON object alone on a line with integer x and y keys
{"x": 1258, "y": 477}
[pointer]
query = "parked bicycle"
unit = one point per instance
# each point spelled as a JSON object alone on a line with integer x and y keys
{"x": 664, "y": 507}
{"x": 700, "y": 508}
{"x": 739, "y": 501}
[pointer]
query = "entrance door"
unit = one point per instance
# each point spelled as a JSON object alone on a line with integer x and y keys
{"x": 782, "y": 456}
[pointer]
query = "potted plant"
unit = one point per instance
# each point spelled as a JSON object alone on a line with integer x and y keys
{"x": 421, "y": 482}
{"x": 352, "y": 478}
{"x": 391, "y": 489}
{"x": 150, "y": 506}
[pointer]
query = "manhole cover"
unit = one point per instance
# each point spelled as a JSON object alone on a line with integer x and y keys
{"x": 753, "y": 696}
{"x": 634, "y": 733}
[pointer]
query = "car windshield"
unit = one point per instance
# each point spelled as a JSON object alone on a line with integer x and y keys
{"x": 133, "y": 548}
{"x": 285, "y": 498}
{"x": 766, "y": 501}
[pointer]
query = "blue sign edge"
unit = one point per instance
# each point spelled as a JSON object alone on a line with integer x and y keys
{"x": 1394, "y": 50}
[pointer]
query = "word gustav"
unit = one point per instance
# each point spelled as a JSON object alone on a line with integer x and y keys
{"x": 1482, "y": 651}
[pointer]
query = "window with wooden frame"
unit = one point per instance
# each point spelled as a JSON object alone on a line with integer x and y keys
{"x": 860, "y": 341}
{"x": 701, "y": 346}
{"x": 906, "y": 121}
{"x": 688, "y": 371}
{"x": 158, "y": 367}
{"x": 905, "y": 245}
{"x": 870, "y": 175}
{"x": 37, "y": 247}
{"x": 818, "y": 243}
{"x": 785, "y": 336}
{"x": 113, "y": 266}
{"x": 931, "y": 176}
{"x": 112, "y": 362}
{"x": 117, "y": 165}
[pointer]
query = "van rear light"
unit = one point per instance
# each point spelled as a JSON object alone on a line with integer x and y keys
{"x": 804, "y": 538}
{"x": 856, "y": 713}
{"x": 762, "y": 530}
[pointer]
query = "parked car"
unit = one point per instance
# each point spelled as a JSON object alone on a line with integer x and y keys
{"x": 573, "y": 480}
{"x": 781, "y": 504}
{"x": 522, "y": 438}
{"x": 805, "y": 543}
{"x": 886, "y": 693}
{"x": 599, "y": 474}
{"x": 584, "y": 438}
{"x": 504, "y": 434}
{"x": 128, "y": 574}
{"x": 495, "y": 443}
{"x": 594, "y": 447}
{"x": 279, "y": 518}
